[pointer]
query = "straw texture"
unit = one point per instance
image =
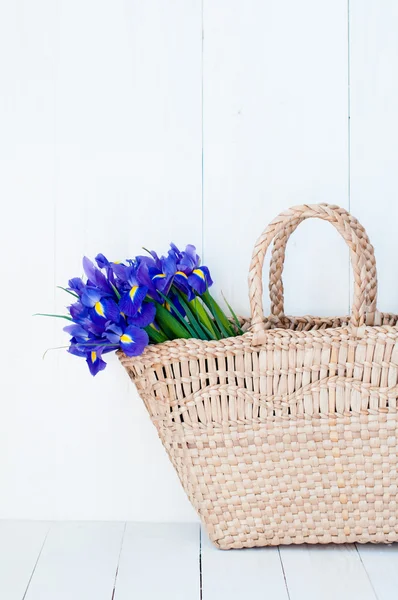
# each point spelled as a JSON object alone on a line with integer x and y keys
{"x": 288, "y": 433}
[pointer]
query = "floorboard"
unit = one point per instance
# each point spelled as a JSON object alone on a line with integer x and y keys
{"x": 325, "y": 573}
{"x": 78, "y": 561}
{"x": 20, "y": 546}
{"x": 381, "y": 564}
{"x": 159, "y": 560}
{"x": 239, "y": 574}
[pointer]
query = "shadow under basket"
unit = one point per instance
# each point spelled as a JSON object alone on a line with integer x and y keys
{"x": 286, "y": 434}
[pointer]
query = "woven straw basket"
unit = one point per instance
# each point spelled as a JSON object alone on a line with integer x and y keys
{"x": 286, "y": 434}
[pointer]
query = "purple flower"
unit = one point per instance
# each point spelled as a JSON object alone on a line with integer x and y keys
{"x": 133, "y": 292}
{"x": 145, "y": 315}
{"x": 190, "y": 277}
{"x": 96, "y": 279}
{"x": 200, "y": 279}
{"x": 76, "y": 285}
{"x": 95, "y": 362}
{"x": 132, "y": 340}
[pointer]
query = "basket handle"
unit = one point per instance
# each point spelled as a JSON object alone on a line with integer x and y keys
{"x": 278, "y": 259}
{"x": 280, "y": 229}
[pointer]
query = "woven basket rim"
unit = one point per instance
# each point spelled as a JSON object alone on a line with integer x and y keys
{"x": 281, "y": 332}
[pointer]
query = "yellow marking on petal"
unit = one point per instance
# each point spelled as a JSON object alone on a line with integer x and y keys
{"x": 93, "y": 356}
{"x": 126, "y": 339}
{"x": 99, "y": 309}
{"x": 133, "y": 291}
{"x": 159, "y": 276}
{"x": 182, "y": 274}
{"x": 168, "y": 307}
{"x": 200, "y": 274}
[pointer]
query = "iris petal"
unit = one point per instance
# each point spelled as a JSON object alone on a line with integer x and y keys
{"x": 76, "y": 285}
{"x": 133, "y": 340}
{"x": 95, "y": 362}
{"x": 200, "y": 279}
{"x": 105, "y": 309}
{"x": 78, "y": 312}
{"x": 132, "y": 300}
{"x": 95, "y": 276}
{"x": 182, "y": 284}
{"x": 90, "y": 296}
{"x": 76, "y": 331}
{"x": 144, "y": 316}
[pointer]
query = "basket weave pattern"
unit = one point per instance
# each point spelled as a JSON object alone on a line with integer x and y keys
{"x": 288, "y": 433}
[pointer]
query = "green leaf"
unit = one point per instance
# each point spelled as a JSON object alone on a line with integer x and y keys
{"x": 205, "y": 320}
{"x": 179, "y": 315}
{"x": 169, "y": 324}
{"x": 221, "y": 320}
{"x": 67, "y": 291}
{"x": 115, "y": 290}
{"x": 56, "y": 316}
{"x": 192, "y": 319}
{"x": 235, "y": 318}
{"x": 155, "y": 335}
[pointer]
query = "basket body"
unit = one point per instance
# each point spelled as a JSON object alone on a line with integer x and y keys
{"x": 286, "y": 434}
{"x": 293, "y": 441}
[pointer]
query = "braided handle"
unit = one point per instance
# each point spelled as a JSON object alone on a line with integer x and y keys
{"x": 278, "y": 260}
{"x": 279, "y": 230}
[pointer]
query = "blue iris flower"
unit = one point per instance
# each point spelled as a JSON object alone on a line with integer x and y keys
{"x": 95, "y": 278}
{"x": 88, "y": 346}
{"x": 200, "y": 279}
{"x": 190, "y": 277}
{"x": 76, "y": 285}
{"x": 133, "y": 292}
{"x": 95, "y": 362}
{"x": 131, "y": 339}
{"x": 118, "y": 300}
{"x": 145, "y": 315}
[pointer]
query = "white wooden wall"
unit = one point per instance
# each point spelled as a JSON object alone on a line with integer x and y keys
{"x": 138, "y": 122}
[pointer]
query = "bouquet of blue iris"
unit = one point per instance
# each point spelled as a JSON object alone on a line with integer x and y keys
{"x": 126, "y": 306}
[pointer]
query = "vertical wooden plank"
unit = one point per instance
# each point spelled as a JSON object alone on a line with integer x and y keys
{"x": 79, "y": 561}
{"x": 28, "y": 54}
{"x": 327, "y": 572}
{"x": 128, "y": 175}
{"x": 374, "y": 133}
{"x": 159, "y": 560}
{"x": 380, "y": 562}
{"x": 20, "y": 546}
{"x": 249, "y": 573}
{"x": 275, "y": 119}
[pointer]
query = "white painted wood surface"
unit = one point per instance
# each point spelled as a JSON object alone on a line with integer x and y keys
{"x": 20, "y": 545}
{"x": 118, "y": 561}
{"x": 381, "y": 564}
{"x": 79, "y": 561}
{"x": 275, "y": 116}
{"x": 250, "y": 573}
{"x": 159, "y": 560}
{"x": 103, "y": 132}
{"x": 327, "y": 572}
{"x": 374, "y": 134}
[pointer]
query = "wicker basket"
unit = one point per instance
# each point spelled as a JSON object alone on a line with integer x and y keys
{"x": 288, "y": 433}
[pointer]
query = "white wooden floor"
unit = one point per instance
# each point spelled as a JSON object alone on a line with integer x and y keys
{"x": 125, "y": 561}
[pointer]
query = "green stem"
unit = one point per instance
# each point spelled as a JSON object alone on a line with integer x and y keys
{"x": 222, "y": 321}
{"x": 179, "y": 315}
{"x": 56, "y": 316}
{"x": 157, "y": 336}
{"x": 169, "y": 324}
{"x": 192, "y": 319}
{"x": 204, "y": 318}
